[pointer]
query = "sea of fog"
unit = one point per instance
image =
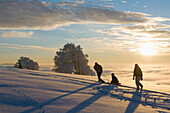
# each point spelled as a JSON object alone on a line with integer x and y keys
{"x": 158, "y": 74}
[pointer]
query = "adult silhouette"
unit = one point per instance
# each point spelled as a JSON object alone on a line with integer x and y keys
{"x": 138, "y": 76}
{"x": 98, "y": 68}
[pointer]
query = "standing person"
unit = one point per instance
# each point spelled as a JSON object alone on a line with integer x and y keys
{"x": 138, "y": 76}
{"x": 98, "y": 68}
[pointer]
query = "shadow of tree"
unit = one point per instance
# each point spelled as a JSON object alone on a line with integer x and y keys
{"x": 54, "y": 99}
{"x": 19, "y": 100}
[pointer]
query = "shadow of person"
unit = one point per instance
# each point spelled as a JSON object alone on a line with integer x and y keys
{"x": 101, "y": 91}
{"x": 134, "y": 103}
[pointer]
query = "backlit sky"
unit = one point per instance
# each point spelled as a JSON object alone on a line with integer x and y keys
{"x": 109, "y": 31}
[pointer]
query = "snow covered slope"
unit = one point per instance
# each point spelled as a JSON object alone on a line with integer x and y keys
{"x": 25, "y": 91}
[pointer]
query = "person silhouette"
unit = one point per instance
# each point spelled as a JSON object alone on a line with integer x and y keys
{"x": 138, "y": 76}
{"x": 114, "y": 81}
{"x": 98, "y": 68}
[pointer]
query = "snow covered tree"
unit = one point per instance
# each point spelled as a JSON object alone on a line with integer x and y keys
{"x": 71, "y": 59}
{"x": 26, "y": 63}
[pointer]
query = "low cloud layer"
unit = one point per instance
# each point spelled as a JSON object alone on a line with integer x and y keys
{"x": 17, "y": 34}
{"x": 34, "y": 14}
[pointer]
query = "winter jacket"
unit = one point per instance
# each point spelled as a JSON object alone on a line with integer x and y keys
{"x": 114, "y": 79}
{"x": 138, "y": 72}
{"x": 98, "y": 68}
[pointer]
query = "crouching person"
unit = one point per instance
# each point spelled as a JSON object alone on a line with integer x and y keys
{"x": 114, "y": 81}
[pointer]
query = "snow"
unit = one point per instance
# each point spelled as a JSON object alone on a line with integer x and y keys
{"x": 26, "y": 63}
{"x": 71, "y": 59}
{"x": 25, "y": 91}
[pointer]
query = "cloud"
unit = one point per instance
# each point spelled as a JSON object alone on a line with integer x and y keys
{"x": 145, "y": 30}
{"x": 80, "y": 2}
{"x": 160, "y": 19}
{"x": 144, "y": 27}
{"x": 34, "y": 14}
{"x": 130, "y": 39}
{"x": 158, "y": 33}
{"x": 104, "y": 44}
{"x": 124, "y": 46}
{"x": 15, "y": 46}
{"x": 123, "y": 1}
{"x": 17, "y": 34}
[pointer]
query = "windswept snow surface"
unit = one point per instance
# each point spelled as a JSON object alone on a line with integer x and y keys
{"x": 28, "y": 91}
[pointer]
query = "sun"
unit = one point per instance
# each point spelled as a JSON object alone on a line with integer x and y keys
{"x": 147, "y": 49}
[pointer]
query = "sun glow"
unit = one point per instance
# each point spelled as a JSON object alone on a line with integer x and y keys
{"x": 147, "y": 49}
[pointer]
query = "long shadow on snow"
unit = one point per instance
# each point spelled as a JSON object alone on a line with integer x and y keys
{"x": 163, "y": 99}
{"x": 78, "y": 82}
{"x": 9, "y": 85}
{"x": 89, "y": 101}
{"x": 71, "y": 81}
{"x": 63, "y": 76}
{"x": 154, "y": 99}
{"x": 148, "y": 98}
{"x": 54, "y": 99}
{"x": 147, "y": 90}
{"x": 50, "y": 89}
{"x": 15, "y": 100}
{"x": 133, "y": 105}
{"x": 52, "y": 75}
{"x": 79, "y": 79}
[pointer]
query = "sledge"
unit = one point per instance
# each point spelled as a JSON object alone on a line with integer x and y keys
{"x": 117, "y": 84}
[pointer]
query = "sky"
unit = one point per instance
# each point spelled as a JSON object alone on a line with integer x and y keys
{"x": 109, "y": 31}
